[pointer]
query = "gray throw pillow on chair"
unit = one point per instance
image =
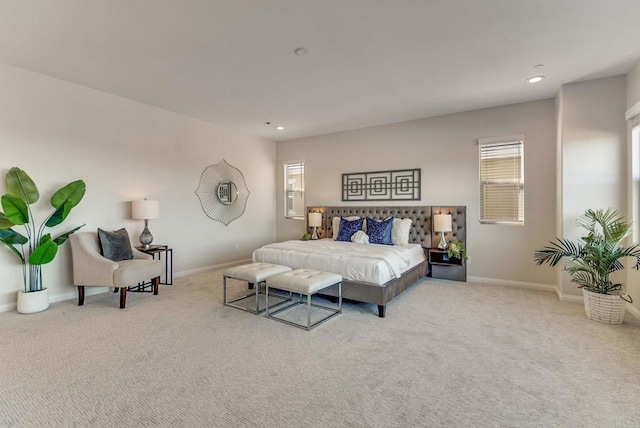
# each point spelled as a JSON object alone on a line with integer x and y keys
{"x": 115, "y": 245}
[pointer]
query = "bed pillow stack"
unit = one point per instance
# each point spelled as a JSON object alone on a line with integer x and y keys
{"x": 399, "y": 229}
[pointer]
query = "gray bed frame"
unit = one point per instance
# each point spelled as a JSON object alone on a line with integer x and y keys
{"x": 420, "y": 233}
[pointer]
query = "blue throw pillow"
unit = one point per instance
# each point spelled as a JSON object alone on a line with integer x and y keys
{"x": 348, "y": 228}
{"x": 379, "y": 231}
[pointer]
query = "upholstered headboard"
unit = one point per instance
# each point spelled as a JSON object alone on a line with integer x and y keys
{"x": 421, "y": 229}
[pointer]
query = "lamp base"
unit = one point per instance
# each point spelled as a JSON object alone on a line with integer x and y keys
{"x": 442, "y": 245}
{"x": 314, "y": 235}
{"x": 146, "y": 238}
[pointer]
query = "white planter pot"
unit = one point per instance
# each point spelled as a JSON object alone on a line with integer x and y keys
{"x": 605, "y": 308}
{"x": 32, "y": 302}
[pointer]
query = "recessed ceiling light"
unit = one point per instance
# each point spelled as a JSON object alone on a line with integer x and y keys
{"x": 535, "y": 79}
{"x": 279, "y": 128}
{"x": 301, "y": 51}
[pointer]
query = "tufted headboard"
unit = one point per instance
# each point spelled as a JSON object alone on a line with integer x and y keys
{"x": 421, "y": 230}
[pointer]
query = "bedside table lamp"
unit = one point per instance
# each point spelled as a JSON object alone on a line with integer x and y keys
{"x": 315, "y": 221}
{"x": 145, "y": 210}
{"x": 442, "y": 224}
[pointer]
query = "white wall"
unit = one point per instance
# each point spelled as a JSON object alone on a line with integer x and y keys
{"x": 633, "y": 86}
{"x": 58, "y": 132}
{"x": 445, "y": 149}
{"x": 633, "y": 185}
{"x": 593, "y": 153}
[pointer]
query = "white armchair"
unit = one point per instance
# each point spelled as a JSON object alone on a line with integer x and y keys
{"x": 91, "y": 269}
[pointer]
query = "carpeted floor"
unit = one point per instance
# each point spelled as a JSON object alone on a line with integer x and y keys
{"x": 447, "y": 354}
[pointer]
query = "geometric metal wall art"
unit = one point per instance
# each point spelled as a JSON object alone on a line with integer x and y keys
{"x": 223, "y": 192}
{"x": 397, "y": 185}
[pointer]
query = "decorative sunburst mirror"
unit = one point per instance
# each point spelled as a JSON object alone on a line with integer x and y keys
{"x": 223, "y": 192}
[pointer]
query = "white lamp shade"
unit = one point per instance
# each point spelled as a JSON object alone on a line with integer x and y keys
{"x": 442, "y": 222}
{"x": 145, "y": 210}
{"x": 315, "y": 219}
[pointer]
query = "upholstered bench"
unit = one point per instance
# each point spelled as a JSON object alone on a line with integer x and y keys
{"x": 305, "y": 282}
{"x": 254, "y": 274}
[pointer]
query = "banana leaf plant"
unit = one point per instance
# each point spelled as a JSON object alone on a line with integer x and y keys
{"x": 35, "y": 248}
{"x": 591, "y": 259}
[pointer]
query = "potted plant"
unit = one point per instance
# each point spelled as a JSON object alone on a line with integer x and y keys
{"x": 456, "y": 250}
{"x": 37, "y": 247}
{"x": 592, "y": 259}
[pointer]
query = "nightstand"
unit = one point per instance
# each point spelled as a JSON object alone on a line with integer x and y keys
{"x": 157, "y": 251}
{"x": 444, "y": 267}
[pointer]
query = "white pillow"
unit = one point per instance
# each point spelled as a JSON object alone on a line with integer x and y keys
{"x": 360, "y": 237}
{"x": 335, "y": 224}
{"x": 400, "y": 231}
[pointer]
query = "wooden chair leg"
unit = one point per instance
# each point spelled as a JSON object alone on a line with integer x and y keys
{"x": 123, "y": 297}
{"x": 156, "y": 282}
{"x": 80, "y": 295}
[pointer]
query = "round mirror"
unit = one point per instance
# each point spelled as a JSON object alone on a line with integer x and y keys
{"x": 222, "y": 192}
{"x": 227, "y": 192}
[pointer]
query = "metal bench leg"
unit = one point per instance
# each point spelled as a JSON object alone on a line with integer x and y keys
{"x": 308, "y": 311}
{"x": 224, "y": 290}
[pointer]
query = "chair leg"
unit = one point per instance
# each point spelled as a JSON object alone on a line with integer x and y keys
{"x": 80, "y": 295}
{"x": 123, "y": 297}
{"x": 115, "y": 290}
{"x": 155, "y": 281}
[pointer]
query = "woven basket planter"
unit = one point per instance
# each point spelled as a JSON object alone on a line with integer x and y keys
{"x": 605, "y": 308}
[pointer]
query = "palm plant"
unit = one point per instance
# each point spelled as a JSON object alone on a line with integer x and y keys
{"x": 593, "y": 258}
{"x": 40, "y": 247}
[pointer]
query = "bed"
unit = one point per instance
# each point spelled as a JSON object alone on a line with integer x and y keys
{"x": 371, "y": 273}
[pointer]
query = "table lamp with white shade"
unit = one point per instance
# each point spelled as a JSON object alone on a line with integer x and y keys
{"x": 442, "y": 224}
{"x": 145, "y": 210}
{"x": 315, "y": 221}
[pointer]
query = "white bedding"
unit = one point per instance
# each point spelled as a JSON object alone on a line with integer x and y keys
{"x": 370, "y": 263}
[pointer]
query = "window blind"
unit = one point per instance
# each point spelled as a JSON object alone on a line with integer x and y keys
{"x": 294, "y": 189}
{"x": 502, "y": 182}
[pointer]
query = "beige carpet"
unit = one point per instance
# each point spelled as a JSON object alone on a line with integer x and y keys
{"x": 448, "y": 354}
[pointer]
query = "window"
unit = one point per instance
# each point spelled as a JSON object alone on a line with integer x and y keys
{"x": 294, "y": 189}
{"x": 502, "y": 180}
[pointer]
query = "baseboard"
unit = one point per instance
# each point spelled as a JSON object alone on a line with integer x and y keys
{"x": 90, "y": 291}
{"x": 6, "y": 307}
{"x": 208, "y": 268}
{"x": 573, "y": 298}
{"x": 508, "y": 283}
{"x": 633, "y": 310}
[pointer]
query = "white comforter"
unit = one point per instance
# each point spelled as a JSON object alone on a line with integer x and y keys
{"x": 370, "y": 263}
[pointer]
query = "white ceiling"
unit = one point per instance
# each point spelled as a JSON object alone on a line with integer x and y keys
{"x": 370, "y": 62}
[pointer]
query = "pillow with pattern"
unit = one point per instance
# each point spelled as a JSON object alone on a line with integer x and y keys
{"x": 348, "y": 228}
{"x": 335, "y": 224}
{"x": 380, "y": 231}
